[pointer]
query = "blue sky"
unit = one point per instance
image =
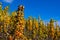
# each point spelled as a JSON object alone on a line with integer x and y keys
{"x": 46, "y": 9}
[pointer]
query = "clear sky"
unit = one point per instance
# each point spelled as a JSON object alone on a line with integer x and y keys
{"x": 46, "y": 9}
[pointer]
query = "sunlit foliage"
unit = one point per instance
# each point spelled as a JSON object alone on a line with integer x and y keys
{"x": 16, "y": 27}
